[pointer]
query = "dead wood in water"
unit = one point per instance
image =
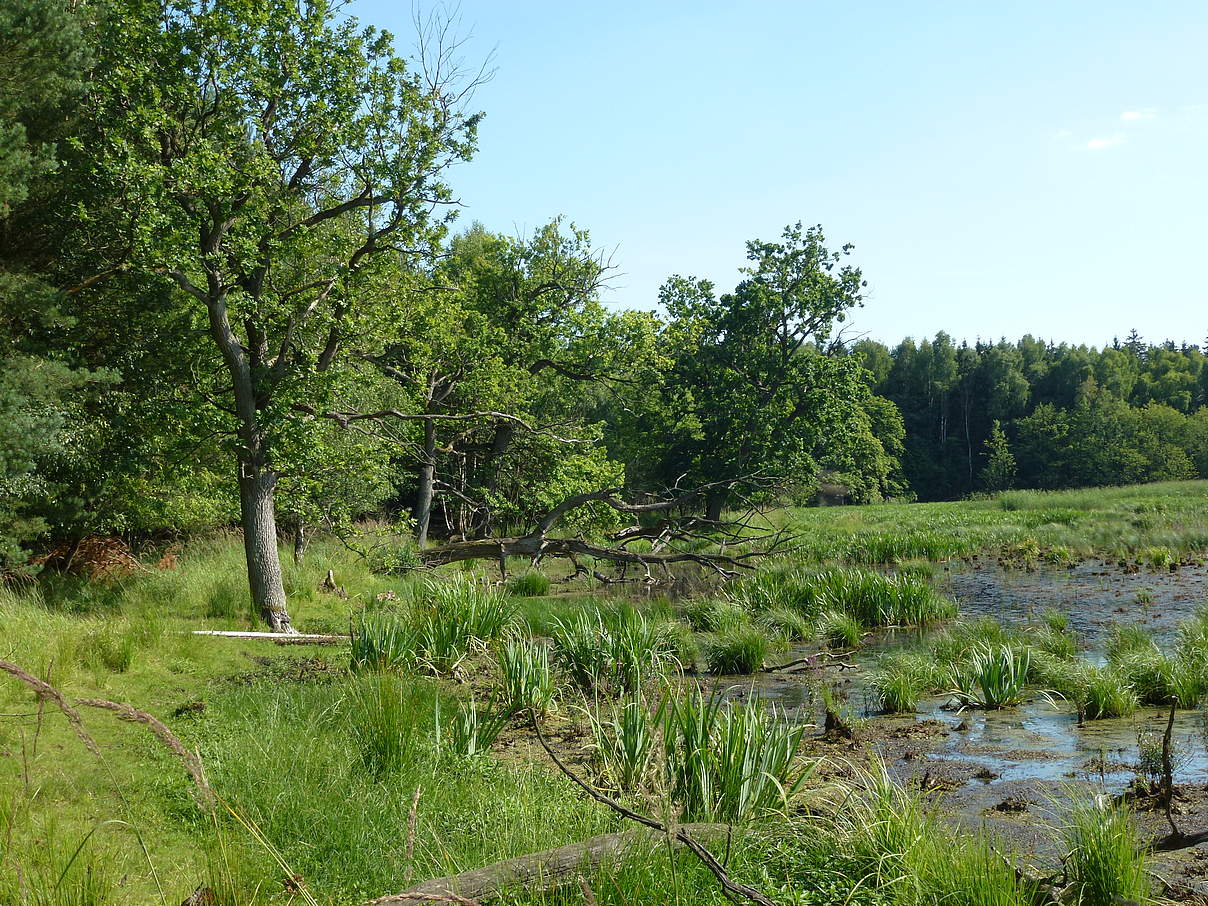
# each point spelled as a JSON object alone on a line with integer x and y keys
{"x": 537, "y": 872}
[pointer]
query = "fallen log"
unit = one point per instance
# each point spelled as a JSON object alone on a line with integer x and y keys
{"x": 543, "y": 871}
{"x": 297, "y": 638}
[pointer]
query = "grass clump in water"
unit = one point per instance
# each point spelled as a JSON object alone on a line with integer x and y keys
{"x": 531, "y": 584}
{"x": 840, "y": 630}
{"x": 901, "y": 680}
{"x": 991, "y": 676}
{"x": 736, "y": 650}
{"x": 615, "y": 656}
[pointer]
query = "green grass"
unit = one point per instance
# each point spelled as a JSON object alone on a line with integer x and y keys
{"x": 1106, "y": 862}
{"x": 729, "y": 762}
{"x": 991, "y": 676}
{"x": 527, "y": 679}
{"x": 531, "y": 584}
{"x": 901, "y": 680}
{"x": 736, "y": 650}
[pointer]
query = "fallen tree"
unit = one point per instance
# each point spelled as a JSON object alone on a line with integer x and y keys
{"x": 670, "y": 536}
{"x": 540, "y": 872}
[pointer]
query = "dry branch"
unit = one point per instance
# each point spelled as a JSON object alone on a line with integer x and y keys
{"x": 298, "y": 638}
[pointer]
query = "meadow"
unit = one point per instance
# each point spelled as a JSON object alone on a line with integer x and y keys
{"x": 342, "y": 773}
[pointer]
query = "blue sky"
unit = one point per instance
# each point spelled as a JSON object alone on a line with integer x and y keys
{"x": 1001, "y": 168}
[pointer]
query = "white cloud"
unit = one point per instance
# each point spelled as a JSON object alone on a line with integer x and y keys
{"x": 1098, "y": 144}
{"x": 1132, "y": 116}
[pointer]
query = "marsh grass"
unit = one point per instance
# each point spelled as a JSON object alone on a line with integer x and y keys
{"x": 725, "y": 761}
{"x": 840, "y": 630}
{"x": 736, "y": 650}
{"x": 614, "y": 656}
{"x": 530, "y": 584}
{"x": 991, "y": 676}
{"x": 527, "y": 679}
{"x": 901, "y": 680}
{"x": 474, "y": 730}
{"x": 456, "y": 616}
{"x": 1106, "y": 862}
{"x": 625, "y": 743}
{"x": 383, "y": 720}
{"x": 383, "y": 641}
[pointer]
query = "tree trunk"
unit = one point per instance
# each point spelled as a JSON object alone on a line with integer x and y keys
{"x": 256, "y": 489}
{"x": 427, "y": 476}
{"x": 715, "y": 503}
{"x": 299, "y": 541}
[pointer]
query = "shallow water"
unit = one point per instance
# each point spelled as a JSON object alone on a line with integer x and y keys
{"x": 1039, "y": 746}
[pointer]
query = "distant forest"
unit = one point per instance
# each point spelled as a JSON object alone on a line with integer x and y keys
{"x": 1034, "y": 414}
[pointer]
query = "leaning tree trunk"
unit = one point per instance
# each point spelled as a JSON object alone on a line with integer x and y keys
{"x": 427, "y": 477}
{"x": 256, "y": 488}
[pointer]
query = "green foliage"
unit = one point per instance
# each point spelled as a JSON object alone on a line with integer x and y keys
{"x": 840, "y": 630}
{"x": 527, "y": 681}
{"x": 991, "y": 676}
{"x": 382, "y": 722}
{"x": 531, "y": 584}
{"x": 474, "y": 730}
{"x": 382, "y": 641}
{"x": 455, "y": 616}
{"x": 1107, "y": 861}
{"x": 736, "y": 650}
{"x": 625, "y": 743}
{"x": 610, "y": 657}
{"x": 901, "y": 679}
{"x": 726, "y": 761}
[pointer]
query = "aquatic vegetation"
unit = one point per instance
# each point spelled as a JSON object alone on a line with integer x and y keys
{"x": 736, "y": 650}
{"x": 1102, "y": 692}
{"x": 531, "y": 584}
{"x": 454, "y": 617}
{"x": 715, "y": 614}
{"x": 527, "y": 680}
{"x": 728, "y": 762}
{"x": 840, "y": 630}
{"x": 1106, "y": 861}
{"x": 786, "y": 623}
{"x": 991, "y": 676}
{"x": 901, "y": 679}
{"x": 1126, "y": 640}
{"x": 625, "y": 743}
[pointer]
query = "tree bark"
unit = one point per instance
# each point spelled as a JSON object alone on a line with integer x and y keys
{"x": 256, "y": 488}
{"x": 299, "y": 541}
{"x": 715, "y": 503}
{"x": 423, "y": 494}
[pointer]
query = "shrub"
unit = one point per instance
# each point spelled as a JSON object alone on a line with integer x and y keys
{"x": 736, "y": 650}
{"x": 531, "y": 584}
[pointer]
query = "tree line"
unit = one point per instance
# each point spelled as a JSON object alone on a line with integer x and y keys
{"x": 1037, "y": 414}
{"x": 233, "y": 292}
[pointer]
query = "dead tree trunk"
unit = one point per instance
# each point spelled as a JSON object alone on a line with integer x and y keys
{"x": 423, "y": 494}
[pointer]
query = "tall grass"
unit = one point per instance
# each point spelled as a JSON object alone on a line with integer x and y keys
{"x": 991, "y": 676}
{"x": 474, "y": 730}
{"x": 531, "y": 584}
{"x": 456, "y": 616}
{"x": 901, "y": 680}
{"x": 728, "y": 762}
{"x": 611, "y": 657}
{"x": 1106, "y": 860}
{"x": 625, "y": 743}
{"x": 382, "y": 641}
{"x": 736, "y": 650}
{"x": 383, "y": 720}
{"x": 527, "y": 680}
